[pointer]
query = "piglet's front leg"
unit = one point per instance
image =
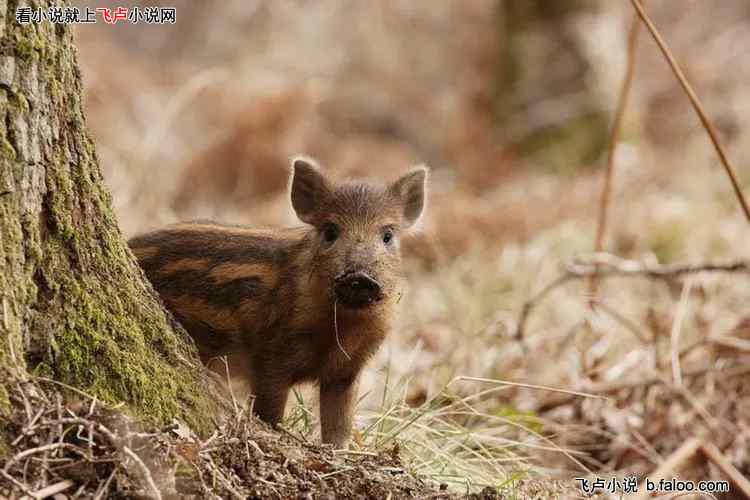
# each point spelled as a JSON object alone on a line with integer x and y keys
{"x": 337, "y": 399}
{"x": 270, "y": 399}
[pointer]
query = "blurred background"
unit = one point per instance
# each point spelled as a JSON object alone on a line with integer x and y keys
{"x": 510, "y": 102}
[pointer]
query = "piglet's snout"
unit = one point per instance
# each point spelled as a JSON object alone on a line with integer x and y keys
{"x": 357, "y": 289}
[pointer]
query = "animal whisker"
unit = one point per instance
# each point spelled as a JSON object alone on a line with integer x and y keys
{"x": 336, "y": 331}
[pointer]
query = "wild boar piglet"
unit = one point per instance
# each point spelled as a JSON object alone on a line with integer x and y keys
{"x": 311, "y": 303}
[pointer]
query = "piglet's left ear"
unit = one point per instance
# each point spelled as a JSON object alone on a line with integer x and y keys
{"x": 409, "y": 190}
{"x": 309, "y": 189}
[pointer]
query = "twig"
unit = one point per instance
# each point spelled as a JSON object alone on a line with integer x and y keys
{"x": 25, "y": 399}
{"x": 291, "y": 435}
{"x": 604, "y": 265}
{"x": 673, "y": 463}
{"x": 614, "y": 139}
{"x": 41, "y": 449}
{"x": 714, "y": 455}
{"x": 730, "y": 342}
{"x": 355, "y": 452}
{"x": 608, "y": 388}
{"x": 624, "y": 321}
{"x": 616, "y": 266}
{"x": 226, "y": 482}
{"x": 534, "y": 301}
{"x": 696, "y": 104}
{"x": 102, "y": 489}
{"x": 712, "y": 422}
{"x": 28, "y": 427}
{"x": 15, "y": 481}
{"x": 203, "y": 445}
{"x": 111, "y": 436}
{"x": 145, "y": 471}
{"x": 91, "y": 407}
{"x": 255, "y": 446}
{"x": 52, "y": 489}
{"x": 690, "y": 451}
{"x": 333, "y": 473}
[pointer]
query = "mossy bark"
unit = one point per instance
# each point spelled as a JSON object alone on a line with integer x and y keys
{"x": 74, "y": 306}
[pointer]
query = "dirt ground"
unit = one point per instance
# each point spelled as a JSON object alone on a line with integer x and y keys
{"x": 77, "y": 448}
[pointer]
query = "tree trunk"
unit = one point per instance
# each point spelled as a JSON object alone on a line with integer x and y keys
{"x": 74, "y": 307}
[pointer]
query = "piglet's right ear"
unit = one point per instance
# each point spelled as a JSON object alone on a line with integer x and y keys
{"x": 309, "y": 189}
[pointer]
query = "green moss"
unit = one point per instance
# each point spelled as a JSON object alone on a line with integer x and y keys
{"x": 62, "y": 197}
{"x": 56, "y": 90}
{"x": 30, "y": 42}
{"x": 101, "y": 350}
{"x": 7, "y": 150}
{"x": 4, "y": 402}
{"x": 24, "y": 49}
{"x": 30, "y": 49}
{"x": 43, "y": 370}
{"x": 19, "y": 102}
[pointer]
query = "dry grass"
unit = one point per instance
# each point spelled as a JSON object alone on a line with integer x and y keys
{"x": 82, "y": 449}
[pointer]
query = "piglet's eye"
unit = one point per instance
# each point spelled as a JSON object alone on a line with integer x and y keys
{"x": 388, "y": 236}
{"x": 330, "y": 232}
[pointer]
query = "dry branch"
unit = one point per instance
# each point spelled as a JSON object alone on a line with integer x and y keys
{"x": 605, "y": 265}
{"x": 614, "y": 139}
{"x": 692, "y": 450}
{"x": 696, "y": 104}
{"x": 612, "y": 387}
{"x": 53, "y": 489}
{"x": 735, "y": 477}
{"x": 674, "y": 463}
{"x": 155, "y": 493}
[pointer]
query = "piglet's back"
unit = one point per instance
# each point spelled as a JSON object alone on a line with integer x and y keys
{"x": 219, "y": 281}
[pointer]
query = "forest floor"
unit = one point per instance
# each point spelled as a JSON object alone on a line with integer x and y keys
{"x": 84, "y": 449}
{"x": 80, "y": 448}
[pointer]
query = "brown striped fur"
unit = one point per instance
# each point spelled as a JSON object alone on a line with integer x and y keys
{"x": 266, "y": 297}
